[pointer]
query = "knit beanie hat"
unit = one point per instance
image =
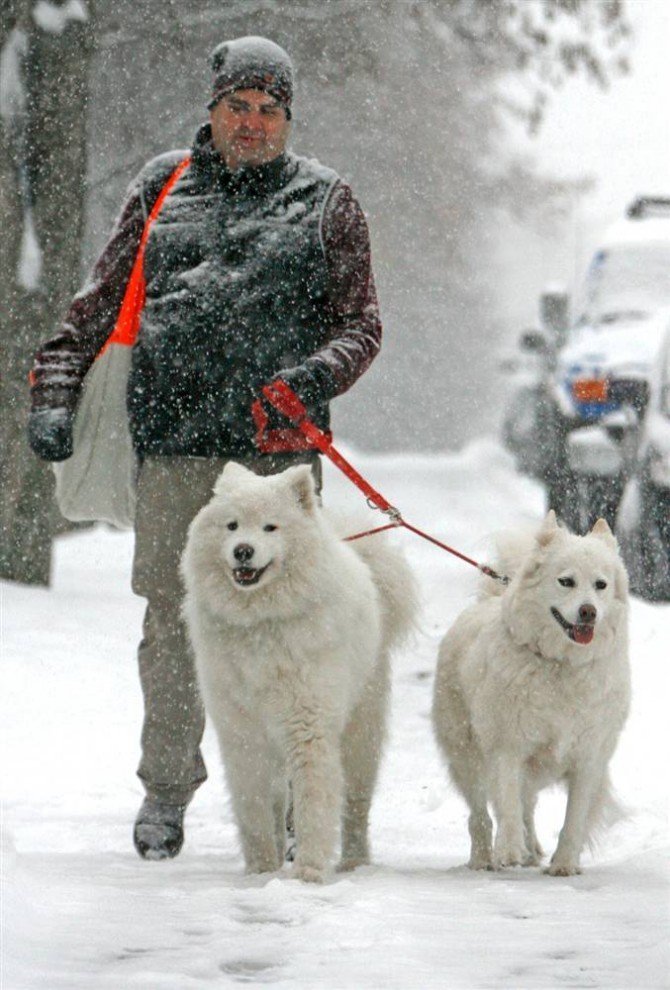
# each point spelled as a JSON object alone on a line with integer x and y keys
{"x": 252, "y": 63}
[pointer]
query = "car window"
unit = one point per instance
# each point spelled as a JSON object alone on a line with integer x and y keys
{"x": 626, "y": 282}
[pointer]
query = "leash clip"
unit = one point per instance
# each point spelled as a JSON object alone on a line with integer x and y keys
{"x": 391, "y": 511}
{"x": 494, "y": 574}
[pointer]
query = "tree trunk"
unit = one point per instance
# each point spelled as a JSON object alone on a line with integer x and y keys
{"x": 42, "y": 174}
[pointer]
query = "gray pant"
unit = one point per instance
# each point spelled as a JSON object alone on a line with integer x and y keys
{"x": 171, "y": 491}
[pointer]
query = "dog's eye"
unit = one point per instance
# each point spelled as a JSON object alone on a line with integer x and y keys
{"x": 566, "y": 582}
{"x": 600, "y": 585}
{"x": 232, "y": 525}
{"x": 269, "y": 528}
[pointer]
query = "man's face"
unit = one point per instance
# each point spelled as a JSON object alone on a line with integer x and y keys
{"x": 249, "y": 127}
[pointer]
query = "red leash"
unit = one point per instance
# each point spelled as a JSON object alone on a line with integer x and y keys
{"x": 287, "y": 402}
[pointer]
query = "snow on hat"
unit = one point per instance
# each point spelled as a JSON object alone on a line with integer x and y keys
{"x": 252, "y": 63}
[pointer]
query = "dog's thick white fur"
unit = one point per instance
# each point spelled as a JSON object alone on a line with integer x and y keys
{"x": 292, "y": 630}
{"x": 533, "y": 688}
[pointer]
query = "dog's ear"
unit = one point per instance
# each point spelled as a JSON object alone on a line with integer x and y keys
{"x": 301, "y": 484}
{"x": 547, "y": 530}
{"x": 603, "y": 532}
{"x": 232, "y": 473}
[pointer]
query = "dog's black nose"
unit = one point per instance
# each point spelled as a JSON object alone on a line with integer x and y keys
{"x": 587, "y": 613}
{"x": 243, "y": 553}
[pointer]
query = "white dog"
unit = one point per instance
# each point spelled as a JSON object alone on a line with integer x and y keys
{"x": 292, "y": 630}
{"x": 533, "y": 688}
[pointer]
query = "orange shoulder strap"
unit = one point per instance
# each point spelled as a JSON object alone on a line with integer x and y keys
{"x": 128, "y": 320}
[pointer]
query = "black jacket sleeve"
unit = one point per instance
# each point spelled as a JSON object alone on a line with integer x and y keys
{"x": 352, "y": 304}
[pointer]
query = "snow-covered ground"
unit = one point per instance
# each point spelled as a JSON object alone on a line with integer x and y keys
{"x": 81, "y": 910}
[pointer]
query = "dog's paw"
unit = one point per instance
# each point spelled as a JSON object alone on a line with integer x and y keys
{"x": 308, "y": 874}
{"x": 509, "y": 848}
{"x": 480, "y": 863}
{"x": 351, "y": 863}
{"x": 560, "y": 869}
{"x": 509, "y": 856}
{"x": 534, "y": 848}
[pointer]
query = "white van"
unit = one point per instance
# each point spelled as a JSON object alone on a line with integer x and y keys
{"x": 597, "y": 379}
{"x": 607, "y": 357}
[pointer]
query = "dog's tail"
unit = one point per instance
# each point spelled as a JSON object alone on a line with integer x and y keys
{"x": 396, "y": 585}
{"x": 606, "y": 811}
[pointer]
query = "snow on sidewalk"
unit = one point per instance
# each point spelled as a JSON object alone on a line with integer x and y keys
{"x": 80, "y": 910}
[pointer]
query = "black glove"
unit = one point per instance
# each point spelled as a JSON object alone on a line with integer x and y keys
{"x": 50, "y": 433}
{"x": 313, "y": 385}
{"x": 300, "y": 382}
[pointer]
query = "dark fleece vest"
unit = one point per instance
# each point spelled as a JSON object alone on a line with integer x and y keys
{"x": 236, "y": 291}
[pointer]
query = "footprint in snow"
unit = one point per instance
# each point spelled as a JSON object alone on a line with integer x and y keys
{"x": 251, "y": 970}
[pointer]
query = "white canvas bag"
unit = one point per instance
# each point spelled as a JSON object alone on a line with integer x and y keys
{"x": 98, "y": 482}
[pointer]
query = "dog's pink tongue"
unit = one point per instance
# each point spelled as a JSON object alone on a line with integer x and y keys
{"x": 583, "y": 634}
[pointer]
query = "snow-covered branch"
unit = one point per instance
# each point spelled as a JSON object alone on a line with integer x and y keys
{"x": 54, "y": 18}
{"x": 12, "y": 85}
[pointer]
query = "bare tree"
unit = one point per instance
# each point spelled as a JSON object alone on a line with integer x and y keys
{"x": 45, "y": 51}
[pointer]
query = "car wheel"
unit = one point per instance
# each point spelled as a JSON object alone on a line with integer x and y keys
{"x": 655, "y": 544}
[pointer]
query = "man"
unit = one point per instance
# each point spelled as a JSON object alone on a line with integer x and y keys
{"x": 257, "y": 268}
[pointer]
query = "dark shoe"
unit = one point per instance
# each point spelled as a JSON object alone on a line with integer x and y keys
{"x": 159, "y": 830}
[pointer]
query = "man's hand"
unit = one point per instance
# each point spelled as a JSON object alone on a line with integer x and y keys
{"x": 271, "y": 418}
{"x": 50, "y": 433}
{"x": 297, "y": 391}
{"x": 303, "y": 382}
{"x": 300, "y": 385}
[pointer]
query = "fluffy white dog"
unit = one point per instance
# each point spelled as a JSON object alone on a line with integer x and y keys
{"x": 533, "y": 688}
{"x": 292, "y": 630}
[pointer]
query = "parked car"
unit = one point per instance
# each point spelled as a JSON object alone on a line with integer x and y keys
{"x": 643, "y": 520}
{"x": 590, "y": 396}
{"x": 521, "y": 423}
